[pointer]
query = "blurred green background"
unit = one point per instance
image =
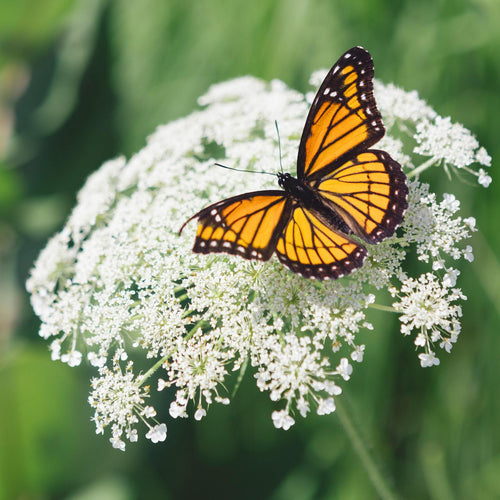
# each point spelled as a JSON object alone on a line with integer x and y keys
{"x": 84, "y": 81}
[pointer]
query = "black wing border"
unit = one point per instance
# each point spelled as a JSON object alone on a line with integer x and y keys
{"x": 361, "y": 57}
{"x": 266, "y": 254}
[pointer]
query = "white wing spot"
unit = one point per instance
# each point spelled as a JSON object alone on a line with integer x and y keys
{"x": 347, "y": 55}
{"x": 202, "y": 244}
{"x": 326, "y": 91}
{"x": 213, "y": 243}
{"x": 218, "y": 218}
{"x": 226, "y": 244}
{"x": 213, "y": 211}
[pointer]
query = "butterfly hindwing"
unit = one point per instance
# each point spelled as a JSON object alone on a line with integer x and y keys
{"x": 312, "y": 247}
{"x": 343, "y": 119}
{"x": 369, "y": 192}
{"x": 247, "y": 225}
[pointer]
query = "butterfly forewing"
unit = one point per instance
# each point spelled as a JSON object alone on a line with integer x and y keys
{"x": 343, "y": 118}
{"x": 246, "y": 225}
{"x": 369, "y": 192}
{"x": 311, "y": 247}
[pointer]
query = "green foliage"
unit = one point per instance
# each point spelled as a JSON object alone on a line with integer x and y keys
{"x": 44, "y": 428}
{"x": 84, "y": 81}
{"x": 28, "y": 25}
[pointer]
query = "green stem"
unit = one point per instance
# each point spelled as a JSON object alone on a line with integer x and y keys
{"x": 421, "y": 168}
{"x": 153, "y": 369}
{"x": 165, "y": 358}
{"x": 380, "y": 307}
{"x": 376, "y": 478}
{"x": 243, "y": 369}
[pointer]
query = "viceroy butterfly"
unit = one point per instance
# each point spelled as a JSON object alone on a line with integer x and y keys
{"x": 342, "y": 187}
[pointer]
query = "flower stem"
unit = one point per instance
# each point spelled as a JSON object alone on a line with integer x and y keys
{"x": 380, "y": 307}
{"x": 243, "y": 369}
{"x": 376, "y": 478}
{"x": 416, "y": 171}
{"x": 153, "y": 369}
{"x": 160, "y": 362}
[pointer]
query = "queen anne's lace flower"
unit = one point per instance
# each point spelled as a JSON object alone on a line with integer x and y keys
{"x": 157, "y": 433}
{"x": 118, "y": 288}
{"x": 427, "y": 307}
{"x": 445, "y": 140}
{"x": 434, "y": 227}
{"x": 118, "y": 398}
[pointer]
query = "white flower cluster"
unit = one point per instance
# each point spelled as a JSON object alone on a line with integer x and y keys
{"x": 119, "y": 288}
{"x": 427, "y": 307}
{"x": 118, "y": 399}
{"x": 435, "y": 228}
{"x": 447, "y": 143}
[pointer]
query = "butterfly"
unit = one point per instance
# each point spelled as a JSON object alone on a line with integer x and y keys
{"x": 343, "y": 192}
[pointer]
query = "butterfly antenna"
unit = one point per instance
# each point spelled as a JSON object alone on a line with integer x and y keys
{"x": 242, "y": 170}
{"x": 279, "y": 142}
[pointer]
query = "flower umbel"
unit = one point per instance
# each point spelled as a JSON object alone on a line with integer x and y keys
{"x": 118, "y": 400}
{"x": 426, "y": 307}
{"x": 118, "y": 288}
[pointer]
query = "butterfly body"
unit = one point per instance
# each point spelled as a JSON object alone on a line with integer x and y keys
{"x": 307, "y": 198}
{"x": 342, "y": 188}
{"x": 298, "y": 190}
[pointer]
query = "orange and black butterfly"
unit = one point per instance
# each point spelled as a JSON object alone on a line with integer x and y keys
{"x": 342, "y": 187}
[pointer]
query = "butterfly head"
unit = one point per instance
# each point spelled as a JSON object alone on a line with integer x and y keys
{"x": 284, "y": 179}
